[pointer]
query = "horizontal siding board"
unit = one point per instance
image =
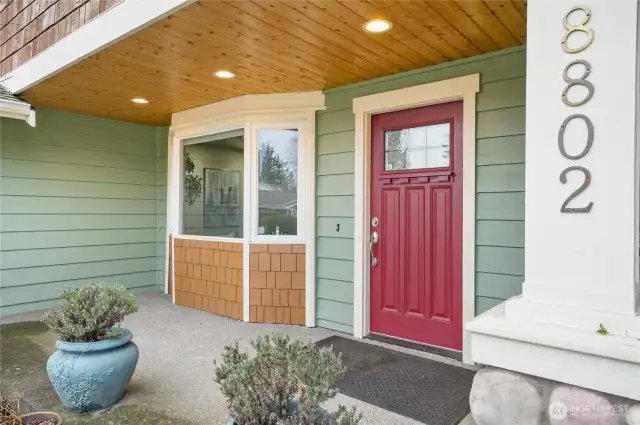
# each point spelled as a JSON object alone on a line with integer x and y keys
{"x": 340, "y": 327}
{"x": 485, "y": 303}
{"x": 500, "y": 178}
{"x": 500, "y": 206}
{"x": 493, "y": 259}
{"x": 501, "y": 94}
{"x": 162, "y": 142}
{"x": 57, "y": 171}
{"x": 62, "y": 155}
{"x": 56, "y": 239}
{"x": 90, "y": 126}
{"x": 162, "y": 192}
{"x": 335, "y": 206}
{"x": 52, "y": 205}
{"x": 343, "y": 141}
{"x": 338, "y": 248}
{"x": 500, "y": 233}
{"x": 335, "y": 311}
{"x": 342, "y": 184}
{"x": 335, "y": 269}
{"x": 500, "y": 286}
{"x": 84, "y": 199}
{"x": 337, "y": 163}
{"x": 336, "y": 121}
{"x": 502, "y": 65}
{"x": 335, "y": 290}
{"x": 22, "y": 133}
{"x": 62, "y": 273}
{"x": 48, "y": 222}
{"x": 48, "y": 291}
{"x": 500, "y": 150}
{"x": 500, "y": 122}
{"x": 335, "y": 227}
{"x": 70, "y": 189}
{"x": 48, "y": 304}
{"x": 73, "y": 255}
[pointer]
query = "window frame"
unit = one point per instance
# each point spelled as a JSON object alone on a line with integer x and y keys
{"x": 183, "y": 143}
{"x": 303, "y": 140}
{"x": 303, "y": 120}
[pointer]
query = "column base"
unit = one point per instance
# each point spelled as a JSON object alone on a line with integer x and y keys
{"x": 580, "y": 356}
{"x": 500, "y": 397}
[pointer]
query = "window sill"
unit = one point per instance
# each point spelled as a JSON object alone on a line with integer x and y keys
{"x": 210, "y": 238}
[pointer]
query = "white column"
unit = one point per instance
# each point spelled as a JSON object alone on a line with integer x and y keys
{"x": 581, "y": 268}
{"x": 587, "y": 260}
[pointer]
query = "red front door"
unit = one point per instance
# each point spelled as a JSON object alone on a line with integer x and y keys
{"x": 416, "y": 210}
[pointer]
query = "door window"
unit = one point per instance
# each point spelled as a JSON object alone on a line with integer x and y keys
{"x": 417, "y": 147}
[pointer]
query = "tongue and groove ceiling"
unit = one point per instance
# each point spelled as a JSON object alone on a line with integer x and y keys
{"x": 274, "y": 47}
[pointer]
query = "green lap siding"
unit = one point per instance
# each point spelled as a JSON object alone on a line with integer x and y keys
{"x": 500, "y": 156}
{"x": 83, "y": 199}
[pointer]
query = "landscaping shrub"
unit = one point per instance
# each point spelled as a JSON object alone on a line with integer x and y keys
{"x": 10, "y": 409}
{"x": 88, "y": 313}
{"x": 259, "y": 388}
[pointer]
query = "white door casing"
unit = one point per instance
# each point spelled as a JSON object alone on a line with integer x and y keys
{"x": 462, "y": 88}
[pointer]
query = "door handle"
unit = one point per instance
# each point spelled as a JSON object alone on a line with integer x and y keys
{"x": 373, "y": 240}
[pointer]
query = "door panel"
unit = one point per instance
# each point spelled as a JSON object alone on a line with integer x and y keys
{"x": 416, "y": 183}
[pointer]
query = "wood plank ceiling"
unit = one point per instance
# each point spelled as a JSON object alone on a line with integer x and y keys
{"x": 274, "y": 47}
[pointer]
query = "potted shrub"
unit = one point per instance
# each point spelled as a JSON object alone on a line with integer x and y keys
{"x": 94, "y": 360}
{"x": 9, "y": 413}
{"x": 283, "y": 383}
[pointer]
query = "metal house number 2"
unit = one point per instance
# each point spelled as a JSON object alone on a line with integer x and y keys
{"x": 571, "y": 82}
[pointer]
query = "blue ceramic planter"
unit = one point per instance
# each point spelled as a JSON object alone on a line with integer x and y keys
{"x": 93, "y": 375}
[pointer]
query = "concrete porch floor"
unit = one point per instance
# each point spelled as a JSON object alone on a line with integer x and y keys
{"x": 173, "y": 382}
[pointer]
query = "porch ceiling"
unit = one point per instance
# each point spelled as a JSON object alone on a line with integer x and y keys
{"x": 274, "y": 47}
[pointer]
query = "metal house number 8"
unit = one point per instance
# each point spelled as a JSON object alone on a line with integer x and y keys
{"x": 571, "y": 82}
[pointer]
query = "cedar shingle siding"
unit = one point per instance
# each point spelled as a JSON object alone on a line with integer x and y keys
{"x": 27, "y": 27}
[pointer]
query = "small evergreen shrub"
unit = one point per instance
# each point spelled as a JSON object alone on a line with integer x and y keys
{"x": 259, "y": 388}
{"x": 87, "y": 313}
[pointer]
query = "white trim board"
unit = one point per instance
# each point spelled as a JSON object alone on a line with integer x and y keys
{"x": 107, "y": 28}
{"x": 462, "y": 88}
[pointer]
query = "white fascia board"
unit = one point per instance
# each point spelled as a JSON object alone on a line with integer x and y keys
{"x": 120, "y": 21}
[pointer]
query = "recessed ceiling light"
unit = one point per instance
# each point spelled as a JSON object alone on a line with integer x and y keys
{"x": 377, "y": 25}
{"x": 139, "y": 100}
{"x": 224, "y": 74}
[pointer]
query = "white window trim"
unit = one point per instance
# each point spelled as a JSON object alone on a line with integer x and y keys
{"x": 303, "y": 140}
{"x": 462, "y": 88}
{"x": 249, "y": 111}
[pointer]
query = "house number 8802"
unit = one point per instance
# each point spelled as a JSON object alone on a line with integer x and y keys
{"x": 571, "y": 82}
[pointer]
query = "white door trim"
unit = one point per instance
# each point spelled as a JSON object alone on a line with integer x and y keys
{"x": 462, "y": 88}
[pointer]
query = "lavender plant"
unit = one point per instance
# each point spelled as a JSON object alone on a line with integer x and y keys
{"x": 259, "y": 388}
{"x": 87, "y": 313}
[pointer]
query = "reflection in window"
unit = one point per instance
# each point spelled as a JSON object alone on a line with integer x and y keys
{"x": 278, "y": 182}
{"x": 417, "y": 147}
{"x": 213, "y": 179}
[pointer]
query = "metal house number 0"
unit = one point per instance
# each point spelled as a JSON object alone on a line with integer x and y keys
{"x": 571, "y": 82}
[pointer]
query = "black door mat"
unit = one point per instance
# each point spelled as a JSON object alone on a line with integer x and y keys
{"x": 428, "y": 391}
